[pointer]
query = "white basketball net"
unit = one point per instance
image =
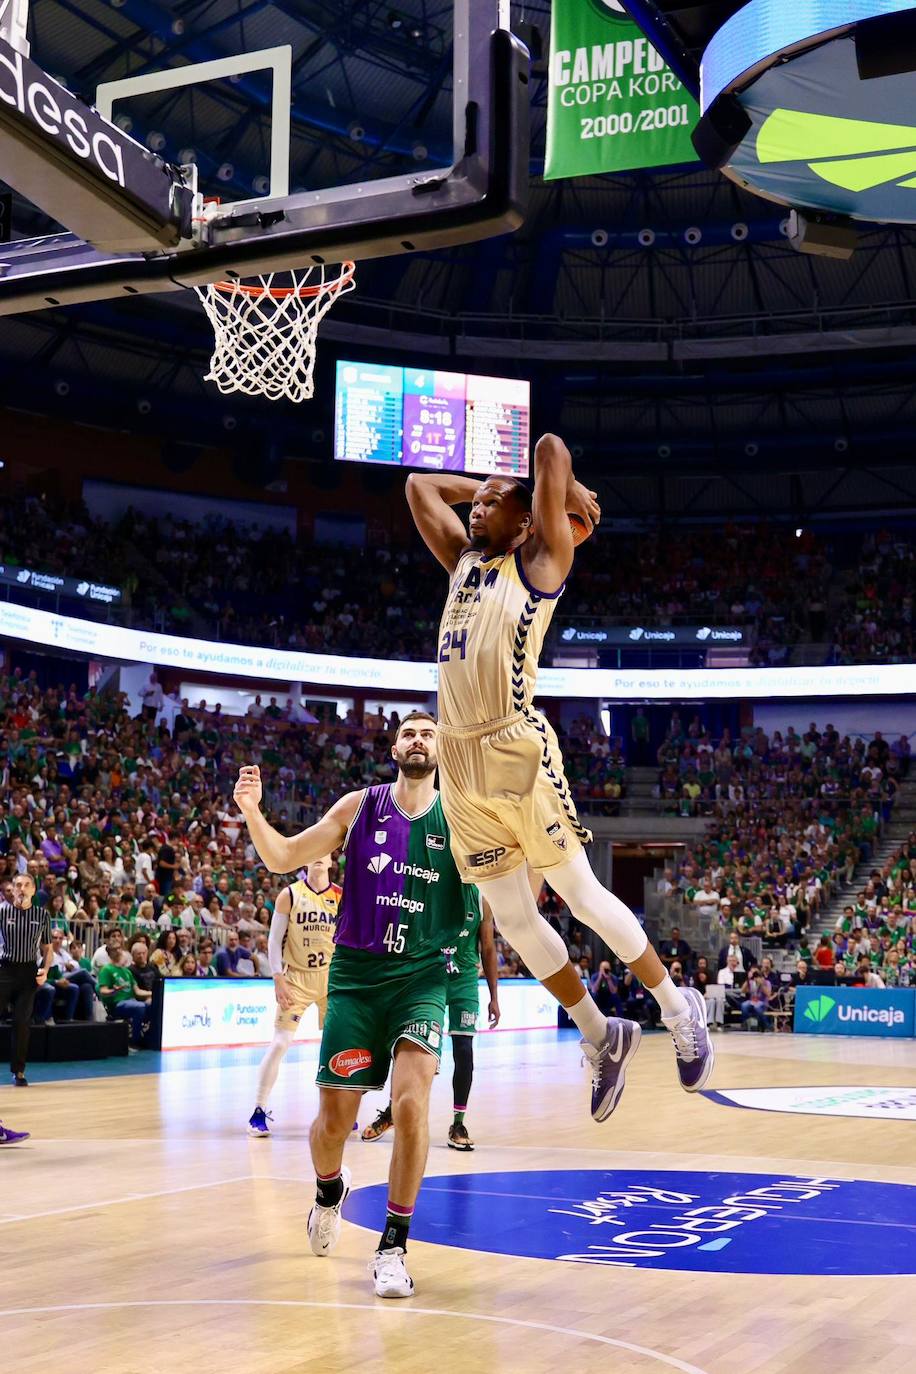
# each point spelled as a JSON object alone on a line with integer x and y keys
{"x": 266, "y": 330}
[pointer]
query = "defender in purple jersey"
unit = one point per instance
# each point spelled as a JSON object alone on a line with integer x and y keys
{"x": 401, "y": 913}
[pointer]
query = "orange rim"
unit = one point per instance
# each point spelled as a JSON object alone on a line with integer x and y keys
{"x": 281, "y": 292}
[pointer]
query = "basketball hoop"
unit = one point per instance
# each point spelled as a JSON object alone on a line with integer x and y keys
{"x": 266, "y": 333}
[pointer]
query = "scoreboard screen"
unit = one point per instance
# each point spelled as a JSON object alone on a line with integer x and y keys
{"x": 420, "y": 417}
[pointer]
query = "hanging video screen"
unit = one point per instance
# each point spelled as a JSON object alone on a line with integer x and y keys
{"x": 417, "y": 417}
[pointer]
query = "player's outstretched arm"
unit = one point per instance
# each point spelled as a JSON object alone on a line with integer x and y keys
{"x": 431, "y": 496}
{"x": 489, "y": 961}
{"x": 548, "y": 554}
{"x": 286, "y": 853}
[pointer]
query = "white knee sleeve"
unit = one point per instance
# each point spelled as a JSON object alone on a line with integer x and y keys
{"x": 270, "y": 1064}
{"x": 595, "y": 907}
{"x": 520, "y": 922}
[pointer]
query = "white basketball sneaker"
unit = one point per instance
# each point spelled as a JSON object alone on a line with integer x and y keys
{"x": 324, "y": 1222}
{"x": 389, "y": 1271}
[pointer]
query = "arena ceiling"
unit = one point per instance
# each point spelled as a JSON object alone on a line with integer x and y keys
{"x": 732, "y": 354}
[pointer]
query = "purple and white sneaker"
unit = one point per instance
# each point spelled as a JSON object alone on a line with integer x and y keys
{"x": 695, "y": 1054}
{"x": 8, "y": 1137}
{"x": 608, "y": 1064}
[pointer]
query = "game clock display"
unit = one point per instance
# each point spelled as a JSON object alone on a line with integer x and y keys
{"x": 426, "y": 418}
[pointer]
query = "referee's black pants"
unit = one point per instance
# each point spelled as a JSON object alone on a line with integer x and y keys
{"x": 18, "y": 987}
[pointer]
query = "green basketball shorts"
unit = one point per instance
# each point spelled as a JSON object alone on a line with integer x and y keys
{"x": 463, "y": 1002}
{"x": 364, "y": 1023}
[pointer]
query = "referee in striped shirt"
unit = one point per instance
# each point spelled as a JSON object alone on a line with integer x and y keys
{"x": 25, "y": 937}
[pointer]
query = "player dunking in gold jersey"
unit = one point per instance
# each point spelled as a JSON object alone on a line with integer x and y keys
{"x": 300, "y": 946}
{"x": 503, "y": 788}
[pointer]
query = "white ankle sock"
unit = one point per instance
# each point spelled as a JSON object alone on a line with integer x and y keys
{"x": 591, "y": 1021}
{"x": 670, "y": 998}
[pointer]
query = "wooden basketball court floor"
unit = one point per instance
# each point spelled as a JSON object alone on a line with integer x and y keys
{"x": 141, "y": 1230}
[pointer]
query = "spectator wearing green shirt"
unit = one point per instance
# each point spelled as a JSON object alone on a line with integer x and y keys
{"x": 190, "y": 913}
{"x": 123, "y": 909}
{"x": 847, "y": 922}
{"x": 124, "y": 1000}
{"x": 78, "y": 952}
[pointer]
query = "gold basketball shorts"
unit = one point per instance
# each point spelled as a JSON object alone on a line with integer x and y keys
{"x": 306, "y": 987}
{"x": 506, "y": 797}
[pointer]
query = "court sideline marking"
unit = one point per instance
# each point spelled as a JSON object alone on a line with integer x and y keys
{"x": 671, "y": 1361}
{"x": 11, "y": 1217}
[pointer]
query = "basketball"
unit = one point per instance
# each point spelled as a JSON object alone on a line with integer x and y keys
{"x": 581, "y": 529}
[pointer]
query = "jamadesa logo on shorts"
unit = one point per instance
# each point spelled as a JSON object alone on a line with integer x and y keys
{"x": 348, "y": 1062}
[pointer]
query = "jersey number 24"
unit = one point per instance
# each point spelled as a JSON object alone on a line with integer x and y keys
{"x": 453, "y": 642}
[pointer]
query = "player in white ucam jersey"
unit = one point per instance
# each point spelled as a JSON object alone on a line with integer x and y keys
{"x": 300, "y": 948}
{"x": 503, "y": 788}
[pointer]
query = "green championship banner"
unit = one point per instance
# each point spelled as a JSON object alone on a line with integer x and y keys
{"x": 613, "y": 103}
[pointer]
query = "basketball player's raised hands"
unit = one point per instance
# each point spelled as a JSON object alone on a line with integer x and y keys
{"x": 248, "y": 791}
{"x": 581, "y": 501}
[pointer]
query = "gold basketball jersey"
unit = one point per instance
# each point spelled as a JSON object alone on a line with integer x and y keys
{"x": 490, "y": 639}
{"x": 311, "y": 926}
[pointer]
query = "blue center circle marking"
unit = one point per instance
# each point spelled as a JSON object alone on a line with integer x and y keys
{"x": 725, "y": 1223}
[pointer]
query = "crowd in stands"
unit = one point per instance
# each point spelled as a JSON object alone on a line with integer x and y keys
{"x": 235, "y": 583}
{"x": 130, "y": 834}
{"x": 791, "y": 819}
{"x": 760, "y": 576}
{"x": 136, "y": 848}
{"x": 251, "y": 586}
{"x": 871, "y": 944}
{"x": 746, "y": 776}
{"x": 133, "y": 842}
{"x": 60, "y": 537}
{"x": 595, "y": 767}
{"x": 365, "y": 601}
{"x": 877, "y": 623}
